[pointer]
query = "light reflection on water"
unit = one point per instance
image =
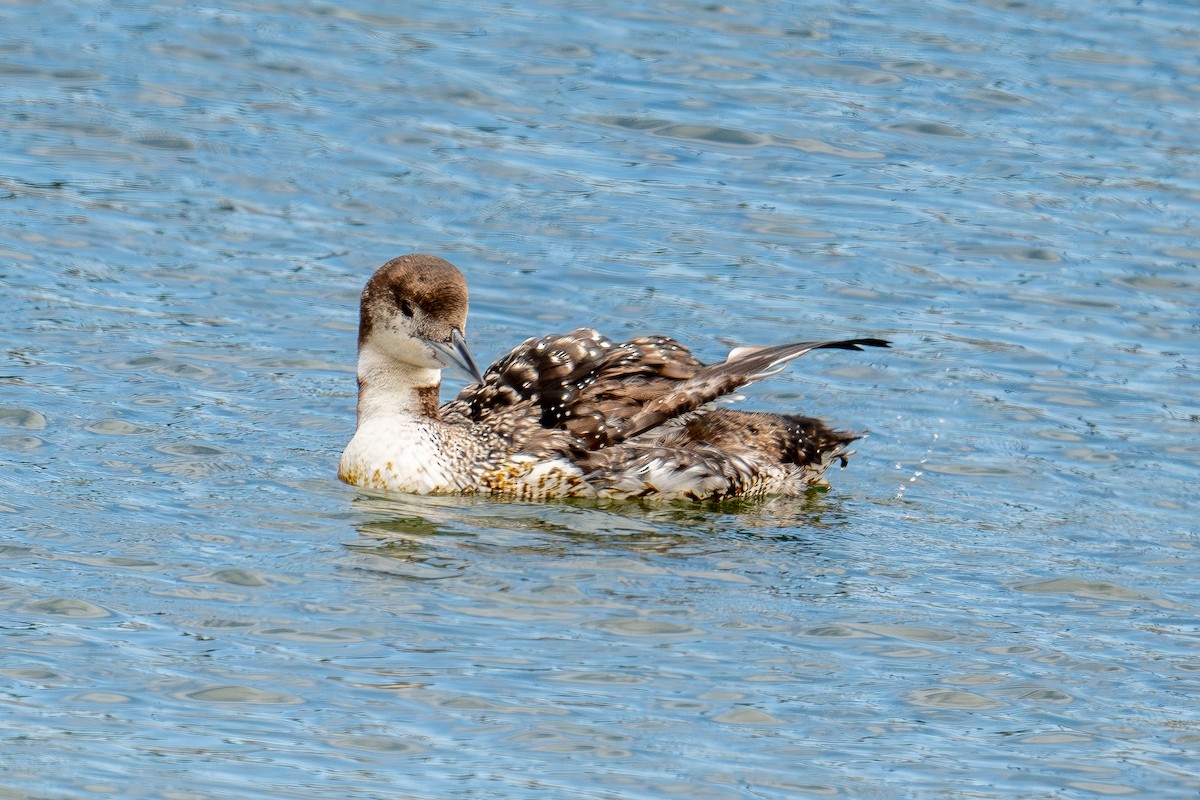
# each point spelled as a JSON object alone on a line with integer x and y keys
{"x": 997, "y": 598}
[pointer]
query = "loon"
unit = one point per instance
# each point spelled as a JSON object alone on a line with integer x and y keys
{"x": 567, "y": 415}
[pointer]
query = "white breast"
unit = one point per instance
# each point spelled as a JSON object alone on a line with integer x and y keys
{"x": 399, "y": 454}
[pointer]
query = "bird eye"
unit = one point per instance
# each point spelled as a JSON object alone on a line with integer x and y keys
{"x": 405, "y": 307}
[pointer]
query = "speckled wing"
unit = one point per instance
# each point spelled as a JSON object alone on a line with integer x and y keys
{"x": 581, "y": 381}
{"x": 604, "y": 393}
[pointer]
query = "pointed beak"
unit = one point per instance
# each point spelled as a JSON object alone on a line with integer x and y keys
{"x": 455, "y": 353}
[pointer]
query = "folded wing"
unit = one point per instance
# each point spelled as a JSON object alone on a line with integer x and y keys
{"x": 604, "y": 393}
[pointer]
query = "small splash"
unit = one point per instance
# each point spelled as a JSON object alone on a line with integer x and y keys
{"x": 919, "y": 471}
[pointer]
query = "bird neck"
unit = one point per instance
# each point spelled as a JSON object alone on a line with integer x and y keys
{"x": 387, "y": 387}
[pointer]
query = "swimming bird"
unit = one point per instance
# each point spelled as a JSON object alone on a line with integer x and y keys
{"x": 567, "y": 415}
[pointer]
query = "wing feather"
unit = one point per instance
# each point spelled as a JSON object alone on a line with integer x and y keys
{"x": 604, "y": 393}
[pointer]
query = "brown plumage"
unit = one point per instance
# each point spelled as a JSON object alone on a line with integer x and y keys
{"x": 575, "y": 414}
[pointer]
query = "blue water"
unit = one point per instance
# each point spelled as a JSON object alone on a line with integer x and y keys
{"x": 997, "y": 599}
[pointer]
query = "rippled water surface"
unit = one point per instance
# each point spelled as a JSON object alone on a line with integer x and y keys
{"x": 998, "y": 599}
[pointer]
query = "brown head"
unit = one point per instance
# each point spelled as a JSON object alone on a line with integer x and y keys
{"x": 414, "y": 310}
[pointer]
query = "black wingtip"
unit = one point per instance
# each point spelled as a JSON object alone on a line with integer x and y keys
{"x": 856, "y": 344}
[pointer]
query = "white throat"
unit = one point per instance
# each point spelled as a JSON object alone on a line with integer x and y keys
{"x": 387, "y": 387}
{"x": 398, "y": 444}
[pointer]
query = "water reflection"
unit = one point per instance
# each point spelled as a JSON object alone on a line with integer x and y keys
{"x": 409, "y": 523}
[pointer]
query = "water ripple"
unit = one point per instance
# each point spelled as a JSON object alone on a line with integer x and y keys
{"x": 997, "y": 597}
